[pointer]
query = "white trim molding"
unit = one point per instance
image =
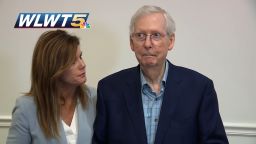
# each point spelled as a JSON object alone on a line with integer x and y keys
{"x": 5, "y": 121}
{"x": 240, "y": 129}
{"x": 232, "y": 128}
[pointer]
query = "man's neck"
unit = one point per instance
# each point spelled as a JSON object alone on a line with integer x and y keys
{"x": 153, "y": 76}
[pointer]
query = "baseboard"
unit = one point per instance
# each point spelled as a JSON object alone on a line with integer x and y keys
{"x": 5, "y": 121}
{"x": 232, "y": 128}
{"x": 240, "y": 129}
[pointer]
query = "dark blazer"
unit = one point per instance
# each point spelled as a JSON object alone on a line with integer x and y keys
{"x": 189, "y": 112}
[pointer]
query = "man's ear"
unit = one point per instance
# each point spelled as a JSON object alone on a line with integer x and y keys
{"x": 131, "y": 44}
{"x": 171, "y": 40}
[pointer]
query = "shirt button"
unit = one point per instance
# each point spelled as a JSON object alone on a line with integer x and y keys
{"x": 156, "y": 120}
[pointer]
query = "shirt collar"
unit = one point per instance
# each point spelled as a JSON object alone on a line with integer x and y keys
{"x": 143, "y": 80}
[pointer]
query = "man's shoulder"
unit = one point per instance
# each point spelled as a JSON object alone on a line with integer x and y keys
{"x": 122, "y": 74}
{"x": 189, "y": 74}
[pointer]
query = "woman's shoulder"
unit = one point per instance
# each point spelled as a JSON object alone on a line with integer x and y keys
{"x": 91, "y": 91}
{"x": 92, "y": 94}
{"x": 24, "y": 104}
{"x": 24, "y": 111}
{"x": 25, "y": 101}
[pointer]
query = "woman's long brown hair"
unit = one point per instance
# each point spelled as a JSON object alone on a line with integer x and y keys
{"x": 54, "y": 53}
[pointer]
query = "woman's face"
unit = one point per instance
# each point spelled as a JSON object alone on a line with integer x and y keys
{"x": 76, "y": 74}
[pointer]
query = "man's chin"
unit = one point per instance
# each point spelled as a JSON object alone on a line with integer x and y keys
{"x": 148, "y": 64}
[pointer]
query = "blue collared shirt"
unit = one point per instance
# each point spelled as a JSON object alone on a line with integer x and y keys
{"x": 152, "y": 103}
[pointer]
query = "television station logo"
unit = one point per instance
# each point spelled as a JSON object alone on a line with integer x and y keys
{"x": 52, "y": 20}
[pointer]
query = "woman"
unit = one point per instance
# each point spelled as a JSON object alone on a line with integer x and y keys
{"x": 59, "y": 108}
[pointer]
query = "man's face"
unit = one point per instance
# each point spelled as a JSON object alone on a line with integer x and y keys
{"x": 150, "y": 42}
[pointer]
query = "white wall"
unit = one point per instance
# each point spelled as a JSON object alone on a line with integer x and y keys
{"x": 216, "y": 38}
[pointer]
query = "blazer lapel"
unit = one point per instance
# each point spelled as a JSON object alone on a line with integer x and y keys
{"x": 63, "y": 139}
{"x": 84, "y": 135}
{"x": 134, "y": 104}
{"x": 170, "y": 99}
